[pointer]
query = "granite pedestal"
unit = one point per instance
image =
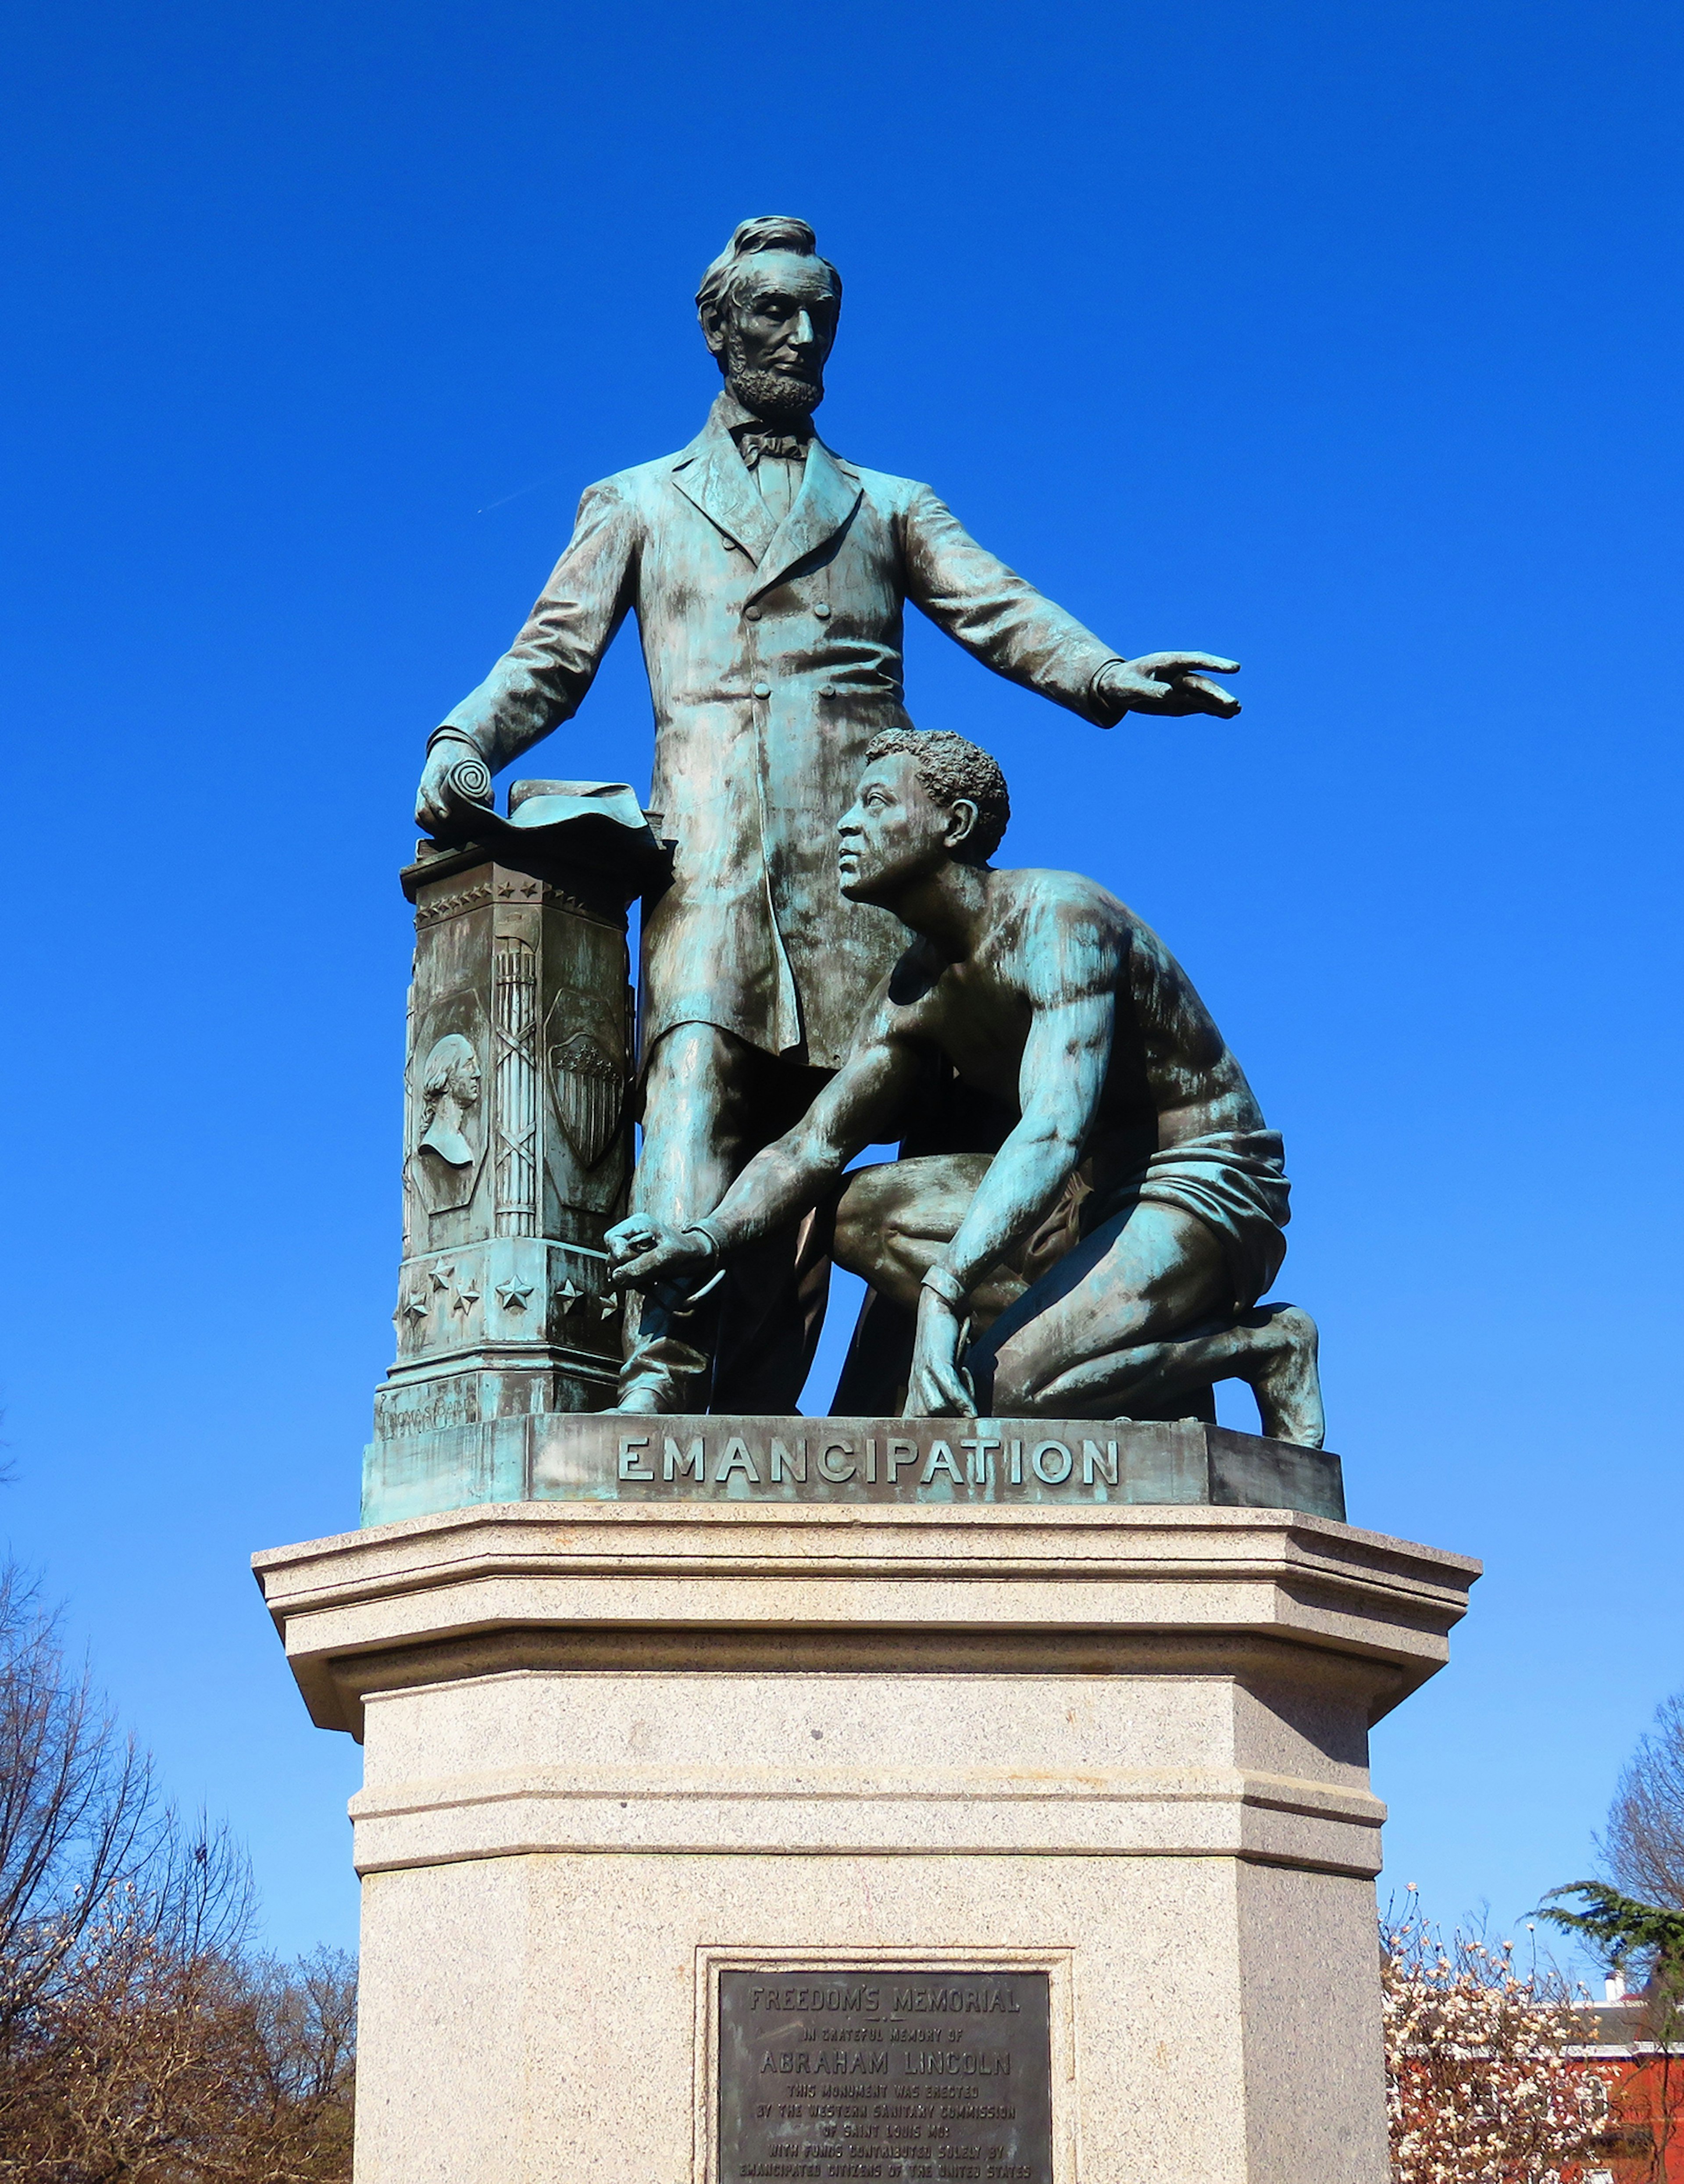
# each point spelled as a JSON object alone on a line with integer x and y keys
{"x": 1101, "y": 1760}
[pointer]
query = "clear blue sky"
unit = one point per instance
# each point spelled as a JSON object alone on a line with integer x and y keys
{"x": 1344, "y": 339}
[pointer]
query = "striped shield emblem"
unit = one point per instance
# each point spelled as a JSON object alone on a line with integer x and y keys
{"x": 590, "y": 1090}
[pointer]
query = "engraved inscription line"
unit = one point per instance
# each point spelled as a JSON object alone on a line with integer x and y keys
{"x": 840, "y": 1462}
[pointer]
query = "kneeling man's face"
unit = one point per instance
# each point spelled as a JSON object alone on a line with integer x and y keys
{"x": 895, "y": 835}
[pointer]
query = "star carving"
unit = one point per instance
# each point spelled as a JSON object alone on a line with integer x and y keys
{"x": 442, "y": 1276}
{"x": 513, "y": 1294}
{"x": 414, "y": 1306}
{"x": 466, "y": 1297}
{"x": 568, "y": 1296}
{"x": 607, "y": 1307}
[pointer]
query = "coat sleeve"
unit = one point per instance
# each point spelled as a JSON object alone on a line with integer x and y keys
{"x": 542, "y": 679}
{"x": 989, "y": 609}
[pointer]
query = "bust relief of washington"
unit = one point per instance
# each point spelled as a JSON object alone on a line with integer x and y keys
{"x": 451, "y": 1086}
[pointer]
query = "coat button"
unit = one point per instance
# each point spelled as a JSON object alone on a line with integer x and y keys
{"x": 762, "y": 689}
{"x": 826, "y": 691}
{"x": 751, "y": 614}
{"x": 822, "y": 609}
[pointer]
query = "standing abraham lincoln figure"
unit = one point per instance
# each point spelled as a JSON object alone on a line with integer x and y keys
{"x": 769, "y": 577}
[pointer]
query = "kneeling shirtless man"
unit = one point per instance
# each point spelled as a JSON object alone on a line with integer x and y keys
{"x": 1107, "y": 1260}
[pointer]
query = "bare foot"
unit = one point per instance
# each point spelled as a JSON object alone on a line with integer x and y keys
{"x": 1288, "y": 1388}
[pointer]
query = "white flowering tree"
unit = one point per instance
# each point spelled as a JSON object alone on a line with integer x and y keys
{"x": 1479, "y": 2086}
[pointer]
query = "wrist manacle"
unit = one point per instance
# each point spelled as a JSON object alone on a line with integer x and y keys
{"x": 942, "y": 1281}
{"x": 710, "y": 1236}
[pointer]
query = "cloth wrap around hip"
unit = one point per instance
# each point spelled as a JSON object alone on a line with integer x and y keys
{"x": 1235, "y": 1181}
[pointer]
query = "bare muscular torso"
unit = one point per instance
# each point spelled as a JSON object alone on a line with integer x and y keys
{"x": 1051, "y": 937}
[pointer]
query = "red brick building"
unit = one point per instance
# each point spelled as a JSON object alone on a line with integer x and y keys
{"x": 1645, "y": 2142}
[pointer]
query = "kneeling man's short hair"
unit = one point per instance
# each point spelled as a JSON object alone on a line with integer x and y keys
{"x": 951, "y": 768}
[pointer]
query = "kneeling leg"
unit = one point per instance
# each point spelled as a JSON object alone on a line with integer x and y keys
{"x": 1138, "y": 1319}
{"x": 1271, "y": 1348}
{"x": 893, "y": 1223}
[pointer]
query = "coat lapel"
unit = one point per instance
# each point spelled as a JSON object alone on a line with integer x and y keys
{"x": 828, "y": 496}
{"x": 712, "y": 475}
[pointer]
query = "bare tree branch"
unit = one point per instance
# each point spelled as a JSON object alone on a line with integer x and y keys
{"x": 141, "y": 2042}
{"x": 1644, "y": 1848}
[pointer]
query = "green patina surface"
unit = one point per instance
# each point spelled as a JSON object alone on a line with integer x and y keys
{"x": 935, "y": 1462}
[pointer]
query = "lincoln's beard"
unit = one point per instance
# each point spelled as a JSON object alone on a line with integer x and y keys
{"x": 777, "y": 398}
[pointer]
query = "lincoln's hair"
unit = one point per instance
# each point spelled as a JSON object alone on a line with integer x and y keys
{"x": 771, "y": 231}
{"x": 951, "y": 769}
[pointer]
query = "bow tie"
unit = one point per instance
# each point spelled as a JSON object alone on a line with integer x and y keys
{"x": 754, "y": 445}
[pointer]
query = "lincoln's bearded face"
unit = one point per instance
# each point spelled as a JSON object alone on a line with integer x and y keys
{"x": 774, "y": 334}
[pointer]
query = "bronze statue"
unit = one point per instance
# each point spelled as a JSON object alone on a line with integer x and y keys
{"x": 769, "y": 577}
{"x": 1109, "y": 1257}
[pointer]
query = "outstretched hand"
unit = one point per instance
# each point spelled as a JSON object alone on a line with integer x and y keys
{"x": 1173, "y": 682}
{"x": 936, "y": 1387}
{"x": 643, "y": 1252}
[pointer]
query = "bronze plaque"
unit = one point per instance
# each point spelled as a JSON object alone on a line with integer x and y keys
{"x": 922, "y": 2077}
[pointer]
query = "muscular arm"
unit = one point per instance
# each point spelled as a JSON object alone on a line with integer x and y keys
{"x": 1062, "y": 1073}
{"x": 861, "y": 1105}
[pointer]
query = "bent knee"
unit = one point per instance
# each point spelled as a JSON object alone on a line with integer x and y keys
{"x": 923, "y": 1200}
{"x": 867, "y": 1217}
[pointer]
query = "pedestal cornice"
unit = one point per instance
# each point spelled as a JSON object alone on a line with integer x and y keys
{"x": 755, "y": 1589}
